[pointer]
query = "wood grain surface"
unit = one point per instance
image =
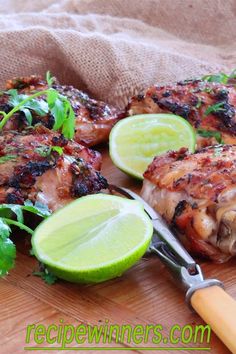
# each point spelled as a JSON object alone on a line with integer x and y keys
{"x": 145, "y": 294}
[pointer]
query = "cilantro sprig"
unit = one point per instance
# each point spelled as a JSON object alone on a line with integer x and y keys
{"x": 56, "y": 104}
{"x": 45, "y": 150}
{"x": 6, "y": 158}
{"x": 211, "y": 134}
{"x": 220, "y": 77}
{"x": 13, "y": 215}
{"x": 46, "y": 275}
{"x": 215, "y": 108}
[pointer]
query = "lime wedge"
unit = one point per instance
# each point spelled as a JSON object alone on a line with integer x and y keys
{"x": 93, "y": 239}
{"x": 136, "y": 140}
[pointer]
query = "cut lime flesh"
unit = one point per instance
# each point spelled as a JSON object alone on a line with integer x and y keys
{"x": 136, "y": 140}
{"x": 93, "y": 239}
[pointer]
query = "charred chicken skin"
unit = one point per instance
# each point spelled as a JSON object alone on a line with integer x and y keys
{"x": 207, "y": 106}
{"x": 43, "y": 166}
{"x": 94, "y": 119}
{"x": 196, "y": 195}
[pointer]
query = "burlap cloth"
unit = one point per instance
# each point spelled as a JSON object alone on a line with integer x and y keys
{"x": 114, "y": 48}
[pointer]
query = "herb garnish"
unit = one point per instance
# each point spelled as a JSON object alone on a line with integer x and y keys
{"x": 49, "y": 79}
{"x": 208, "y": 89}
{"x": 56, "y": 104}
{"x": 46, "y": 275}
{"x": 45, "y": 150}
{"x": 199, "y": 102}
{"x": 214, "y": 108}
{"x": 12, "y": 215}
{"x": 40, "y": 107}
{"x": 210, "y": 134}
{"x": 220, "y": 78}
{"x": 5, "y": 158}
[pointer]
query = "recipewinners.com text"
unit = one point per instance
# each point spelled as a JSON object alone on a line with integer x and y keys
{"x": 106, "y": 336}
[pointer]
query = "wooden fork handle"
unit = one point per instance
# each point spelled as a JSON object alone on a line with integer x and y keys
{"x": 218, "y": 309}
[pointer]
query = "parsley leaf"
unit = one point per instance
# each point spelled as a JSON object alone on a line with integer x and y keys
{"x": 214, "y": 108}
{"x": 209, "y": 134}
{"x": 47, "y": 276}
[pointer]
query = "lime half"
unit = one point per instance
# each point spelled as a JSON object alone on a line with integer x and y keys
{"x": 93, "y": 239}
{"x": 136, "y": 140}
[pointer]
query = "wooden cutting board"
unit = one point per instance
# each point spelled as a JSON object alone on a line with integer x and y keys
{"x": 143, "y": 295}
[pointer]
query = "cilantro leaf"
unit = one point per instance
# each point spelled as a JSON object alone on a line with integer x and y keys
{"x": 47, "y": 276}
{"x": 214, "y": 108}
{"x": 199, "y": 103}
{"x": 54, "y": 103}
{"x": 7, "y": 249}
{"x": 57, "y": 109}
{"x": 28, "y": 115}
{"x": 45, "y": 150}
{"x": 233, "y": 74}
{"x": 209, "y": 134}
{"x": 37, "y": 208}
{"x": 12, "y": 214}
{"x": 4, "y": 230}
{"x": 6, "y": 158}
{"x": 62, "y": 112}
{"x": 68, "y": 128}
{"x": 208, "y": 89}
{"x": 40, "y": 107}
{"x": 58, "y": 149}
{"x": 7, "y": 255}
{"x": 220, "y": 77}
{"x": 49, "y": 78}
{"x": 12, "y": 208}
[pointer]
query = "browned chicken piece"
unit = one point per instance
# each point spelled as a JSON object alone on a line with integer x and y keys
{"x": 196, "y": 195}
{"x": 94, "y": 119}
{"x": 43, "y": 166}
{"x": 207, "y": 106}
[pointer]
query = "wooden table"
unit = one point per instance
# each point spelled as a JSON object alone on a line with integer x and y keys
{"x": 143, "y": 295}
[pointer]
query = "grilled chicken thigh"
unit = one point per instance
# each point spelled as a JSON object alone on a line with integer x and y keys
{"x": 208, "y": 106}
{"x": 196, "y": 194}
{"x": 42, "y": 165}
{"x": 94, "y": 119}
